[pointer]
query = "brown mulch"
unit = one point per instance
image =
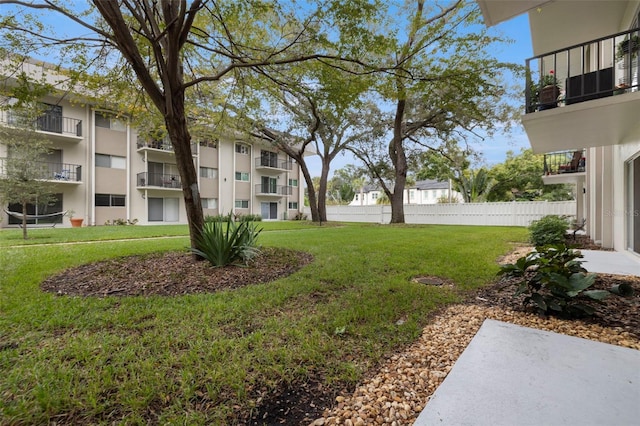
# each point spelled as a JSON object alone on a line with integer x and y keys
{"x": 173, "y": 274}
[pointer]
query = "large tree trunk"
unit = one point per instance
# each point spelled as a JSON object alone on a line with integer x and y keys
{"x": 322, "y": 189}
{"x": 181, "y": 141}
{"x": 399, "y": 160}
{"x": 311, "y": 193}
{"x": 24, "y": 220}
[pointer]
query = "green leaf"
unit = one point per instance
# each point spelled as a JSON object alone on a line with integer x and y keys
{"x": 580, "y": 281}
{"x": 597, "y": 294}
{"x": 539, "y": 301}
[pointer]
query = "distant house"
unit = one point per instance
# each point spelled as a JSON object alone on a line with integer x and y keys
{"x": 423, "y": 192}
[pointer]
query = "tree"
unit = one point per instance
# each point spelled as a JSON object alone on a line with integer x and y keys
{"x": 169, "y": 48}
{"x": 346, "y": 182}
{"x": 474, "y": 185}
{"x": 519, "y": 178}
{"x": 23, "y": 173}
{"x": 446, "y": 84}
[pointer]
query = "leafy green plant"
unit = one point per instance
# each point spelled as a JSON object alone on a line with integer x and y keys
{"x": 550, "y": 229}
{"x": 121, "y": 222}
{"x": 554, "y": 281}
{"x": 224, "y": 241}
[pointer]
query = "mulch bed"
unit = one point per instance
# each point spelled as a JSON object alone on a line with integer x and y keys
{"x": 171, "y": 274}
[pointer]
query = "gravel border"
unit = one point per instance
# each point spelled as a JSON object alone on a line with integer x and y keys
{"x": 405, "y": 382}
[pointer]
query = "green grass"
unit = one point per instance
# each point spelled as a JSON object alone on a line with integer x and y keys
{"x": 13, "y": 237}
{"x": 191, "y": 359}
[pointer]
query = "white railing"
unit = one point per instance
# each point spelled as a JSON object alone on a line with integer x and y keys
{"x": 491, "y": 214}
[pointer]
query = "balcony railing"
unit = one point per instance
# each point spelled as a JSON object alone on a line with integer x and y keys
{"x": 564, "y": 162}
{"x": 158, "y": 180}
{"x": 274, "y": 163}
{"x": 163, "y": 145}
{"x": 51, "y": 123}
{"x": 63, "y": 172}
{"x": 267, "y": 189}
{"x": 595, "y": 69}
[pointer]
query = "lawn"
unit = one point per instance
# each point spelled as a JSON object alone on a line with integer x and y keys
{"x": 210, "y": 359}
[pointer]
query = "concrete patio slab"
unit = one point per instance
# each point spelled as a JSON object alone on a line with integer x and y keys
{"x": 611, "y": 262}
{"x": 513, "y": 375}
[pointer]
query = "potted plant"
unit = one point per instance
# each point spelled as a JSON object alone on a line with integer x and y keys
{"x": 629, "y": 44}
{"x": 75, "y": 222}
{"x": 545, "y": 94}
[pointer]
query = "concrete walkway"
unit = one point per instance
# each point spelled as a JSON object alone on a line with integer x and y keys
{"x": 611, "y": 262}
{"x": 517, "y": 376}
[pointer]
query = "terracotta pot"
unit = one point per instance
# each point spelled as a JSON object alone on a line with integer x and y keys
{"x": 76, "y": 222}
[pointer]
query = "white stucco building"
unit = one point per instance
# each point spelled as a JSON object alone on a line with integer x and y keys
{"x": 423, "y": 192}
{"x": 593, "y": 116}
{"x": 103, "y": 171}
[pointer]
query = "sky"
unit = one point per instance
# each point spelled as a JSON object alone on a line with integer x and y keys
{"x": 494, "y": 150}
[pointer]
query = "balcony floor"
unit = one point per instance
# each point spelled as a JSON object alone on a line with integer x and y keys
{"x": 600, "y": 122}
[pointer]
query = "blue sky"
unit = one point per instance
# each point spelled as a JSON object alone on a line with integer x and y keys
{"x": 494, "y": 150}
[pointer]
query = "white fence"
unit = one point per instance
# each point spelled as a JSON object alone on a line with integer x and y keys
{"x": 493, "y": 214}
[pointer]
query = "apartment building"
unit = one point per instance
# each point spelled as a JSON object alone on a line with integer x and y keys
{"x": 583, "y": 106}
{"x": 428, "y": 191}
{"x": 103, "y": 171}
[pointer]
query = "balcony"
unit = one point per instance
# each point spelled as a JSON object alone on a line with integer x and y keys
{"x": 564, "y": 167}
{"x": 263, "y": 189}
{"x": 268, "y": 163}
{"x": 55, "y": 172}
{"x": 55, "y": 126}
{"x": 584, "y": 95}
{"x": 158, "y": 180}
{"x": 163, "y": 145}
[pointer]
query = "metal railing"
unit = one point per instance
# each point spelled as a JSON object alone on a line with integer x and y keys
{"x": 268, "y": 189}
{"x": 163, "y": 145}
{"x": 595, "y": 69}
{"x": 564, "y": 162}
{"x": 274, "y": 163}
{"x": 51, "y": 123}
{"x": 159, "y": 180}
{"x": 43, "y": 170}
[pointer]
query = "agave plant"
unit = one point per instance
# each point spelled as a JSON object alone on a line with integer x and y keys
{"x": 224, "y": 242}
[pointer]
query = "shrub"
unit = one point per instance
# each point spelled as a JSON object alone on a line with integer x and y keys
{"x": 550, "y": 229}
{"x": 554, "y": 281}
{"x": 234, "y": 217}
{"x": 224, "y": 241}
{"x": 299, "y": 216}
{"x": 121, "y": 222}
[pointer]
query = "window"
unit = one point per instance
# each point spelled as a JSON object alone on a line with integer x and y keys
{"x": 357, "y": 197}
{"x": 268, "y": 159}
{"x": 412, "y": 194}
{"x": 242, "y": 148}
{"x": 242, "y": 204}
{"x": 109, "y": 121}
{"x": 111, "y": 161}
{"x": 374, "y": 195}
{"x": 293, "y": 205}
{"x": 208, "y": 172}
{"x": 242, "y": 176}
{"x": 211, "y": 143}
{"x": 293, "y": 182}
{"x": 110, "y": 200}
{"x": 209, "y": 203}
